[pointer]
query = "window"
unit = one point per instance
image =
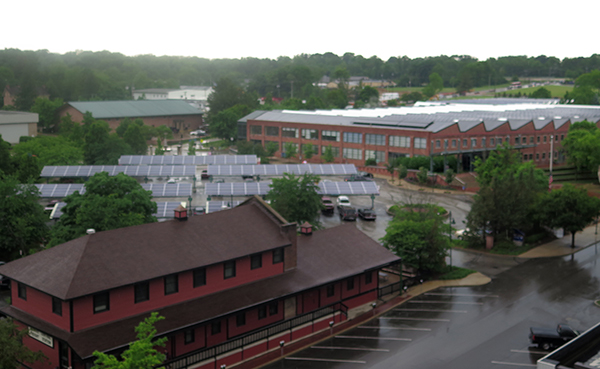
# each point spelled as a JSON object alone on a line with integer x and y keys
{"x": 517, "y": 140}
{"x": 142, "y": 292}
{"x": 372, "y": 139}
{"x": 530, "y": 156}
{"x": 215, "y": 327}
{"x": 272, "y": 131}
{"x": 262, "y": 312}
{"x": 473, "y": 142}
{"x": 556, "y": 138}
{"x": 101, "y": 302}
{"x": 465, "y": 143}
{"x": 368, "y": 277}
{"x": 273, "y": 308}
{"x": 445, "y": 143}
{"x": 350, "y": 284}
{"x": 310, "y": 134}
{"x": 524, "y": 157}
{"x": 437, "y": 144}
{"x": 543, "y": 156}
{"x": 188, "y": 336}
{"x": 229, "y": 269}
{"x": 171, "y": 284}
{"x": 379, "y": 156}
{"x": 56, "y": 306}
{"x": 256, "y": 261}
{"x": 420, "y": 143}
{"x": 562, "y": 137}
{"x": 330, "y": 290}
{"x": 483, "y": 141}
{"x": 399, "y": 141}
{"x": 289, "y": 132}
{"x": 499, "y": 140}
{"x": 22, "y": 291}
{"x": 199, "y": 277}
{"x": 538, "y": 139}
{"x": 537, "y": 156}
{"x": 530, "y": 139}
{"x": 278, "y": 256}
{"x": 330, "y": 136}
{"x": 545, "y": 137}
{"x": 256, "y": 130}
{"x": 492, "y": 142}
{"x": 352, "y": 153}
{"x": 453, "y": 143}
{"x": 240, "y": 319}
{"x": 352, "y": 137}
{"x": 334, "y": 150}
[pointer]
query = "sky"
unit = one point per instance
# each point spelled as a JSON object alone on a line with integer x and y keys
{"x": 269, "y": 29}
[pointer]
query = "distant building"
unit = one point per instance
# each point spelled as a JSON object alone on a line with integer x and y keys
{"x": 197, "y": 96}
{"x": 177, "y": 115}
{"x": 231, "y": 285}
{"x": 14, "y": 124}
{"x": 152, "y": 93}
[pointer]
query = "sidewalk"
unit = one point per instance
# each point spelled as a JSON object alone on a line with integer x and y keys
{"x": 562, "y": 246}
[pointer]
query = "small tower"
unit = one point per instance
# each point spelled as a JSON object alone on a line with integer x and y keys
{"x": 181, "y": 213}
{"x": 306, "y": 229}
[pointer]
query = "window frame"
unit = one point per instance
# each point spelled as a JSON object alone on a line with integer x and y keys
{"x": 97, "y": 302}
{"x": 22, "y": 291}
{"x": 368, "y": 277}
{"x": 199, "y": 277}
{"x": 328, "y": 135}
{"x": 215, "y": 328}
{"x": 270, "y": 128}
{"x": 255, "y": 261}
{"x": 278, "y": 256}
{"x": 240, "y": 319}
{"x": 262, "y": 312}
{"x": 189, "y": 336}
{"x": 273, "y": 308}
{"x": 229, "y": 269}
{"x": 255, "y": 130}
{"x": 171, "y": 280}
{"x": 349, "y": 284}
{"x": 56, "y": 306}
{"x": 330, "y": 290}
{"x": 137, "y": 296}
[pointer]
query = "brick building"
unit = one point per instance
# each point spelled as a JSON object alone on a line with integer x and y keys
{"x": 177, "y": 115}
{"x": 227, "y": 293}
{"x": 467, "y": 129}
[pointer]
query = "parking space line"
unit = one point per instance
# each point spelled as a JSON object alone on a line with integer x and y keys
{"x": 513, "y": 364}
{"x": 457, "y": 294}
{"x": 325, "y": 360}
{"x": 398, "y": 328}
{"x": 415, "y": 319}
{"x": 375, "y": 338}
{"x": 350, "y": 348}
{"x": 434, "y": 310}
{"x": 529, "y": 352}
{"x": 444, "y": 302}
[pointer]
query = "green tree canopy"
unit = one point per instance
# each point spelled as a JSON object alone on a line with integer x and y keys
{"x": 23, "y": 222}
{"x": 224, "y": 123}
{"x": 102, "y": 148}
{"x": 436, "y": 84}
{"x": 296, "y": 198}
{"x": 582, "y": 145}
{"x": 328, "y": 155}
{"x": 226, "y": 95}
{"x": 48, "y": 113}
{"x": 109, "y": 202}
{"x": 541, "y": 93}
{"x": 135, "y": 139}
{"x": 51, "y": 150}
{"x": 12, "y": 350}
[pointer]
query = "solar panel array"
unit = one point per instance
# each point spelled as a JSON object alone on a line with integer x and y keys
{"x": 214, "y": 206}
{"x": 59, "y": 190}
{"x": 187, "y": 159}
{"x": 280, "y": 169}
{"x": 165, "y": 209}
{"x": 169, "y": 189}
{"x": 262, "y": 188}
{"x": 131, "y": 170}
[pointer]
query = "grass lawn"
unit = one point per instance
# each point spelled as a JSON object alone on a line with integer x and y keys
{"x": 555, "y": 90}
{"x": 453, "y": 272}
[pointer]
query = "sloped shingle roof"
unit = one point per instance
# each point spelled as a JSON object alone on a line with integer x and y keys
{"x": 135, "y": 108}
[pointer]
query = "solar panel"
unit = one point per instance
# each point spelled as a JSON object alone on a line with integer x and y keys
{"x": 164, "y": 209}
{"x": 214, "y": 206}
{"x": 348, "y": 188}
{"x": 237, "y": 189}
{"x": 169, "y": 189}
{"x": 59, "y": 190}
{"x": 280, "y": 169}
{"x": 130, "y": 170}
{"x": 187, "y": 159}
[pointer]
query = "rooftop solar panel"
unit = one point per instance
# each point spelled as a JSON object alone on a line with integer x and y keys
{"x": 164, "y": 209}
{"x": 59, "y": 190}
{"x": 280, "y": 169}
{"x": 214, "y": 206}
{"x": 262, "y": 188}
{"x": 169, "y": 189}
{"x": 187, "y": 160}
{"x": 131, "y": 170}
{"x": 348, "y": 188}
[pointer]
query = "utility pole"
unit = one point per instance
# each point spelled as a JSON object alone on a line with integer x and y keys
{"x": 551, "y": 161}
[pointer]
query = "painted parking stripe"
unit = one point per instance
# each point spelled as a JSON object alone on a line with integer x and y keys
{"x": 350, "y": 348}
{"x": 433, "y": 310}
{"x": 513, "y": 364}
{"x": 457, "y": 294}
{"x": 326, "y": 360}
{"x": 529, "y": 352}
{"x": 444, "y": 302}
{"x": 415, "y": 319}
{"x": 398, "y": 328}
{"x": 375, "y": 338}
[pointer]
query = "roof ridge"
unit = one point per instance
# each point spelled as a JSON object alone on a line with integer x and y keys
{"x": 78, "y": 259}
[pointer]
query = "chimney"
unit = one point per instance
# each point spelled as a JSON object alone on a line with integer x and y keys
{"x": 306, "y": 229}
{"x": 181, "y": 213}
{"x": 90, "y": 231}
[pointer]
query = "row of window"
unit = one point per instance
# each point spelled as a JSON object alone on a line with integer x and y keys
{"x": 527, "y": 157}
{"x": 493, "y": 141}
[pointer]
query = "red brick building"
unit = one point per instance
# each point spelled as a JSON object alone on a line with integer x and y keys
{"x": 227, "y": 293}
{"x": 175, "y": 114}
{"x": 464, "y": 129}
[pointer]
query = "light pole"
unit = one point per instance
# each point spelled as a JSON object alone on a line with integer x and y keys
{"x": 551, "y": 160}
{"x": 450, "y": 222}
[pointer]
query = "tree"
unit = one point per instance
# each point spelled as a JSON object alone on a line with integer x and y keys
{"x": 271, "y": 148}
{"x": 569, "y": 208}
{"x": 308, "y": 150}
{"x": 296, "y": 198}
{"x": 436, "y": 84}
{"x": 391, "y": 167}
{"x": 23, "y": 222}
{"x": 102, "y": 148}
{"x": 422, "y": 175}
{"x": 449, "y": 176}
{"x": 224, "y": 123}
{"x": 290, "y": 149}
{"x": 12, "y": 350}
{"x": 420, "y": 238}
{"x": 108, "y": 203}
{"x": 135, "y": 139}
{"x": 226, "y": 94}
{"x": 27, "y": 95}
{"x": 402, "y": 171}
{"x": 328, "y": 155}
{"x": 192, "y": 148}
{"x": 71, "y": 130}
{"x": 51, "y": 150}
{"x": 141, "y": 354}
{"x": 541, "y": 93}
{"x": 6, "y": 164}
{"x": 48, "y": 113}
{"x": 368, "y": 94}
{"x": 582, "y": 145}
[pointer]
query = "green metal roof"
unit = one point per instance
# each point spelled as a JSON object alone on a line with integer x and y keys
{"x": 135, "y": 108}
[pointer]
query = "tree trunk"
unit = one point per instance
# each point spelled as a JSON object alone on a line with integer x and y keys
{"x": 572, "y": 240}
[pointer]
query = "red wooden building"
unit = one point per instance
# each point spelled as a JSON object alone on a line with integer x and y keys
{"x": 232, "y": 285}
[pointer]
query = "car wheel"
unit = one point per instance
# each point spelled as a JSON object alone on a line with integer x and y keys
{"x": 546, "y": 346}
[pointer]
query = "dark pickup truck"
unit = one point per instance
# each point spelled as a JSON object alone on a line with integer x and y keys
{"x": 547, "y": 338}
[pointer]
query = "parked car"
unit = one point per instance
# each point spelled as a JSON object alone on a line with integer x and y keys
{"x": 172, "y": 180}
{"x": 367, "y": 214}
{"x": 247, "y": 176}
{"x": 364, "y": 174}
{"x": 547, "y": 338}
{"x": 357, "y": 178}
{"x": 4, "y": 282}
{"x": 198, "y": 210}
{"x": 327, "y": 204}
{"x": 219, "y": 180}
{"x": 342, "y": 201}
{"x": 48, "y": 208}
{"x": 347, "y": 212}
{"x": 198, "y": 132}
{"x": 204, "y": 174}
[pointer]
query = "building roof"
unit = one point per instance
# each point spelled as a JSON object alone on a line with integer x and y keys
{"x": 16, "y": 117}
{"x": 155, "y": 90}
{"x": 134, "y": 108}
{"x": 324, "y": 257}
{"x": 437, "y": 116}
{"x": 120, "y": 257}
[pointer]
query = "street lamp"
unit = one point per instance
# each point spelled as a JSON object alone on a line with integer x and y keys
{"x": 450, "y": 222}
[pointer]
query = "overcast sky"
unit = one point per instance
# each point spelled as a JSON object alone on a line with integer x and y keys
{"x": 268, "y": 28}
